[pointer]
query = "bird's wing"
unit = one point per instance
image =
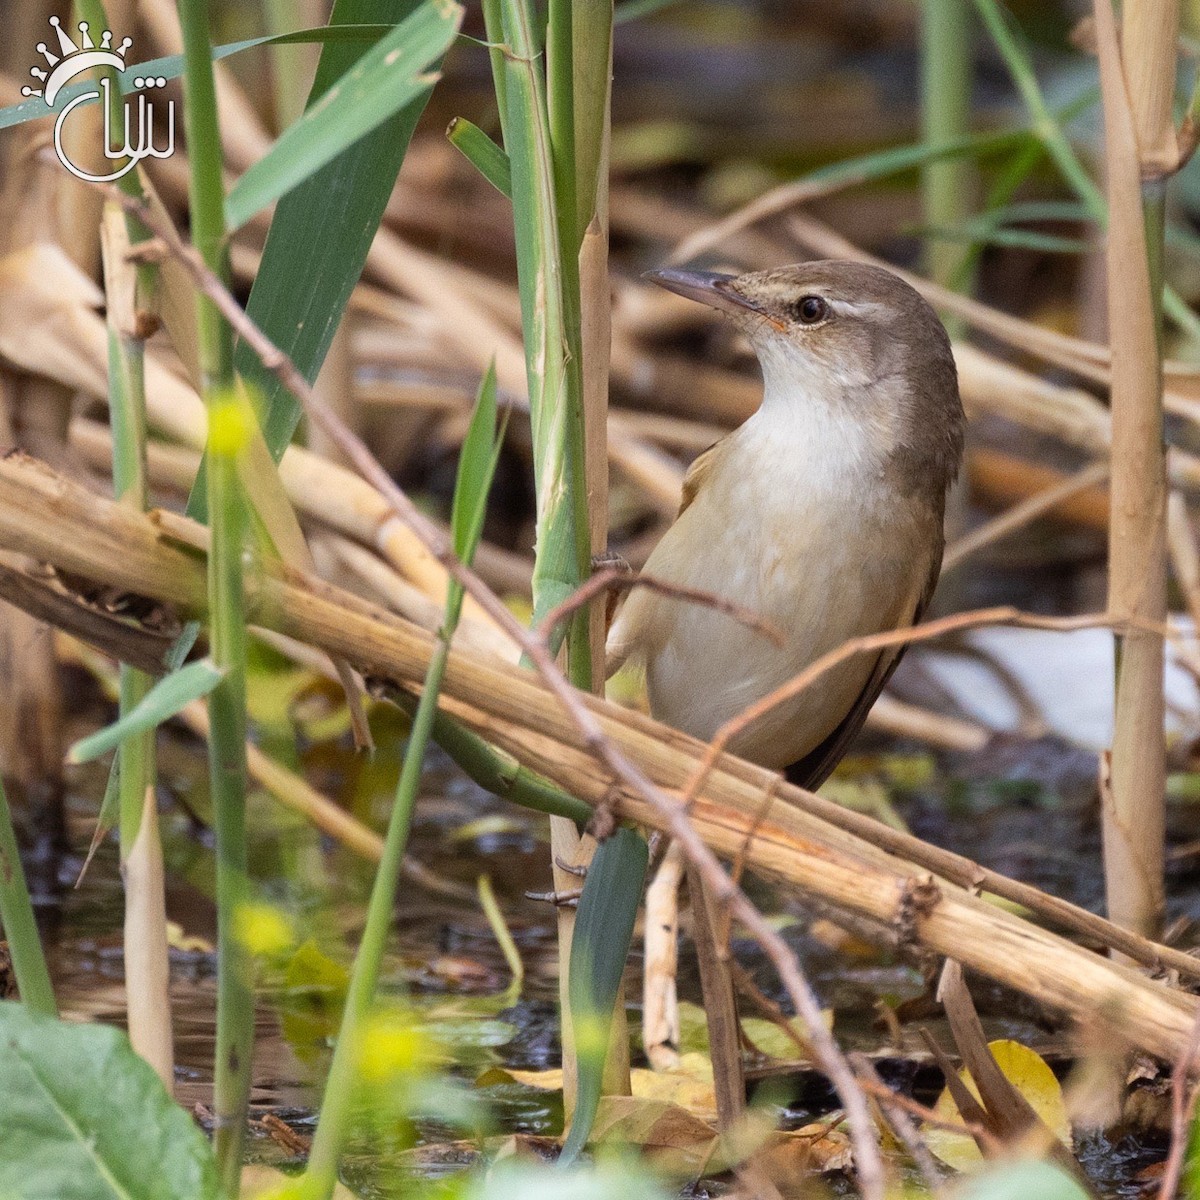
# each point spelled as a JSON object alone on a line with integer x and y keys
{"x": 640, "y": 606}
{"x": 698, "y": 472}
{"x": 816, "y": 766}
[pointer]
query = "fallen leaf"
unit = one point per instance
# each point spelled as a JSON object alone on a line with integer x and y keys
{"x": 189, "y": 943}
{"x": 1029, "y": 1073}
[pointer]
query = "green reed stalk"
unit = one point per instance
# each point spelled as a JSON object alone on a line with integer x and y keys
{"x": 227, "y": 626}
{"x": 19, "y": 926}
{"x": 549, "y": 289}
{"x": 947, "y": 186}
{"x": 320, "y": 1176}
{"x": 477, "y": 465}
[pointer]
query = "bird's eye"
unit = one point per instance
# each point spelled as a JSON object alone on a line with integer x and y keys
{"x": 811, "y": 309}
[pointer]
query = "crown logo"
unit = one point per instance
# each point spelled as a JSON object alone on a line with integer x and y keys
{"x": 74, "y": 59}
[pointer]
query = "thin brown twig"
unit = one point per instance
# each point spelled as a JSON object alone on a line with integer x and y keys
{"x": 974, "y": 619}
{"x": 825, "y": 1049}
{"x": 1183, "y": 1108}
{"x": 777, "y": 200}
{"x": 1022, "y": 514}
{"x": 619, "y": 579}
{"x": 900, "y": 1120}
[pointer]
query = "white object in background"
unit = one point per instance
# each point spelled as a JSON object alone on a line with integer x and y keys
{"x": 1067, "y": 676}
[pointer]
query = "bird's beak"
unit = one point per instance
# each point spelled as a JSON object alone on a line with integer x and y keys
{"x": 709, "y": 287}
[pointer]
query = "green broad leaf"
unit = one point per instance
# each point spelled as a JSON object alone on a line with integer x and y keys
{"x": 85, "y": 1118}
{"x": 489, "y": 160}
{"x": 320, "y": 235}
{"x": 599, "y": 949}
{"x": 390, "y": 75}
{"x": 171, "y": 67}
{"x": 1021, "y": 1180}
{"x": 164, "y": 700}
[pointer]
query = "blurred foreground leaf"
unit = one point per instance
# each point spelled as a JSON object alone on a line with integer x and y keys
{"x": 321, "y": 232}
{"x": 1023, "y": 1181}
{"x": 85, "y": 1117}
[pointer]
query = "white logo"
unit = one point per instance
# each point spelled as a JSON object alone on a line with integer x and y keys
{"x": 74, "y": 61}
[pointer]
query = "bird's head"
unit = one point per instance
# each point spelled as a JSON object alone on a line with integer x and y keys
{"x": 855, "y": 338}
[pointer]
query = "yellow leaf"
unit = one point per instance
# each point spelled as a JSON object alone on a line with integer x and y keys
{"x": 1028, "y": 1072}
{"x": 189, "y": 942}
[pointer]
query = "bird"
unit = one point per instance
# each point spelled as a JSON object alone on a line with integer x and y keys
{"x": 823, "y": 512}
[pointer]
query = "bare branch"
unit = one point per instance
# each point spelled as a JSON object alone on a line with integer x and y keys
{"x": 617, "y": 579}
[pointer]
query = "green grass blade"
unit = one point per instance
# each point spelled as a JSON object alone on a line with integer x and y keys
{"x": 1048, "y": 128}
{"x": 475, "y": 468}
{"x": 19, "y": 926}
{"x": 390, "y": 75}
{"x": 170, "y": 66}
{"x": 163, "y": 701}
{"x": 489, "y": 160}
{"x": 599, "y": 950}
{"x": 631, "y": 10}
{"x": 476, "y": 471}
{"x": 996, "y": 235}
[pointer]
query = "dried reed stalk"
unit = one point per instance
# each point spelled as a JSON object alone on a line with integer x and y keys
{"x": 56, "y": 521}
{"x": 1134, "y": 820}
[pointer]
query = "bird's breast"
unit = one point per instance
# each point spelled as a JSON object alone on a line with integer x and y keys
{"x": 821, "y": 565}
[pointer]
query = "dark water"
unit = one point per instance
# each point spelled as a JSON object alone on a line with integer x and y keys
{"x": 1022, "y": 821}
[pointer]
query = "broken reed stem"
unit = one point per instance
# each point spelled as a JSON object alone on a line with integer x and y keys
{"x": 56, "y": 521}
{"x": 129, "y": 287}
{"x": 501, "y": 773}
{"x": 673, "y": 820}
{"x": 1133, "y": 820}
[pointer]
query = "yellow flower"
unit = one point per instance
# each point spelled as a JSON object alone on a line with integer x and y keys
{"x": 263, "y": 929}
{"x": 392, "y": 1045}
{"x": 229, "y": 426}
